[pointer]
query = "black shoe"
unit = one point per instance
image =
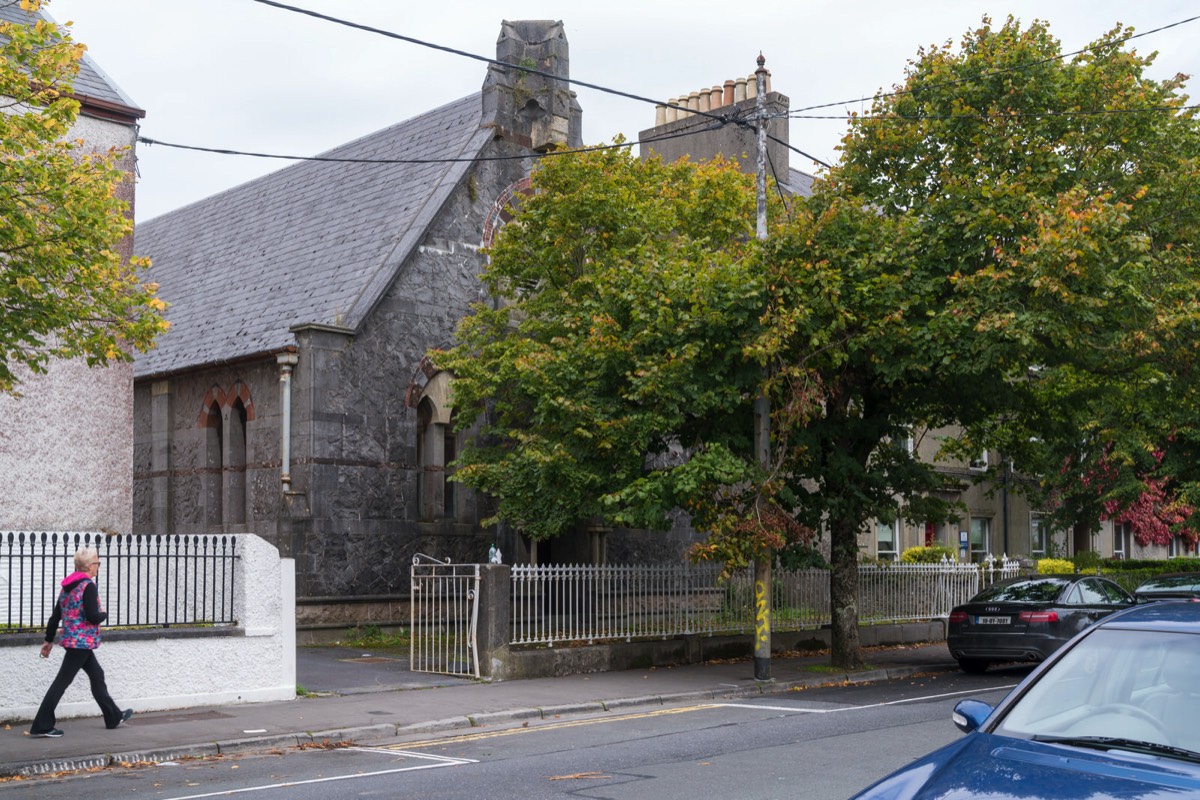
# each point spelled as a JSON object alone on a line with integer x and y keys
{"x": 53, "y": 733}
{"x": 125, "y": 715}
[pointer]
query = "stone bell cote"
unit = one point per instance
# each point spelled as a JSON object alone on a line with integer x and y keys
{"x": 534, "y": 110}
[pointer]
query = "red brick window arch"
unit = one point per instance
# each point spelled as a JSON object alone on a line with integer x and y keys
{"x": 224, "y": 416}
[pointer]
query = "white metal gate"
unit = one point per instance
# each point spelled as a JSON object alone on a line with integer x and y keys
{"x": 444, "y": 613}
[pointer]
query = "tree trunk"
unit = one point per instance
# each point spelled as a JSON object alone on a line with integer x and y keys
{"x": 843, "y": 595}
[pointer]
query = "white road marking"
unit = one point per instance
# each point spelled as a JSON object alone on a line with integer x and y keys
{"x": 438, "y": 763}
{"x": 797, "y": 710}
{"x": 411, "y": 754}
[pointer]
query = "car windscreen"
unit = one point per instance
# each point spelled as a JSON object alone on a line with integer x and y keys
{"x": 1170, "y": 582}
{"x": 1044, "y": 590}
{"x": 1130, "y": 684}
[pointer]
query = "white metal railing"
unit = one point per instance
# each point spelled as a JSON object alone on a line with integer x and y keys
{"x": 444, "y": 617}
{"x": 552, "y": 604}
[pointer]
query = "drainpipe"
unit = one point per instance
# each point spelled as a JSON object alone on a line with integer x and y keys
{"x": 287, "y": 362}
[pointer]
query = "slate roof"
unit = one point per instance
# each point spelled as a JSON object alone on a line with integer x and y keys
{"x": 799, "y": 183}
{"x": 316, "y": 242}
{"x": 91, "y": 83}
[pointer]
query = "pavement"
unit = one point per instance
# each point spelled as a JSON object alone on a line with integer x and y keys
{"x": 359, "y": 696}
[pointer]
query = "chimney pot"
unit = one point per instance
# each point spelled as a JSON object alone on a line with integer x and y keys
{"x": 660, "y": 115}
{"x": 739, "y": 90}
{"x": 752, "y": 87}
{"x": 715, "y": 97}
{"x": 702, "y": 105}
{"x": 729, "y": 93}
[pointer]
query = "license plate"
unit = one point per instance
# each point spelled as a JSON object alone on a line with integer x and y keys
{"x": 993, "y": 620}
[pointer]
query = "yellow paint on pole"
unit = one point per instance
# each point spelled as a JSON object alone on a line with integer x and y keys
{"x": 762, "y": 613}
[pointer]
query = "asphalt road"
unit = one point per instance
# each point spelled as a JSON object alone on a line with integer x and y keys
{"x": 821, "y": 743}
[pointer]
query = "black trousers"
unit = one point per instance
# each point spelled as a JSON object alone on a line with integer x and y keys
{"x": 73, "y": 661}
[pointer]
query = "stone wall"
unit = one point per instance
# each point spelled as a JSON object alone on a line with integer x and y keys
{"x": 512, "y": 663}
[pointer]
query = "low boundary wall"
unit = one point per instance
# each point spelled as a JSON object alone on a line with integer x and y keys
{"x": 159, "y": 669}
{"x": 516, "y": 662}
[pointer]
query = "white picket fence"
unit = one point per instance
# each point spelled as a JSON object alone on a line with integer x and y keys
{"x": 553, "y": 604}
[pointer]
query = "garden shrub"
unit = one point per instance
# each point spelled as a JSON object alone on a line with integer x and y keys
{"x": 1055, "y": 566}
{"x": 926, "y": 555}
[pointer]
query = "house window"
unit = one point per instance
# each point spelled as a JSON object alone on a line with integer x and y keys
{"x": 981, "y": 538}
{"x": 1173, "y": 548}
{"x": 980, "y": 462}
{"x": 1039, "y": 536}
{"x": 1122, "y": 535}
{"x": 887, "y": 537}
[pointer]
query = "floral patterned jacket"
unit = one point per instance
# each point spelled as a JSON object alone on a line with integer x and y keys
{"x": 78, "y": 608}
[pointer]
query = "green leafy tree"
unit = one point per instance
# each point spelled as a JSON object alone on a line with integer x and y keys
{"x": 612, "y": 378}
{"x": 1007, "y": 235}
{"x": 65, "y": 290}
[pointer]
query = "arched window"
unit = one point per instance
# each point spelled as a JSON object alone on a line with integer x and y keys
{"x": 234, "y": 481}
{"x": 224, "y": 486}
{"x": 214, "y": 462}
{"x": 437, "y": 447}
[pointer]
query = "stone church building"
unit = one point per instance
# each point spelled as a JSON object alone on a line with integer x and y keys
{"x": 293, "y": 396}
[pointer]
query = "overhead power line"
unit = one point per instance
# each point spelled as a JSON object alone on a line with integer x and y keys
{"x": 484, "y": 59}
{"x": 1097, "y": 112}
{"x": 441, "y": 160}
{"x": 733, "y": 116}
{"x": 1018, "y": 67}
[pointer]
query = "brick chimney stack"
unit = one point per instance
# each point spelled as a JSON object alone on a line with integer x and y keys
{"x": 705, "y": 137}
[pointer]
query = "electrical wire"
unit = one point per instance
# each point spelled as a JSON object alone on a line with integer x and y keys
{"x": 733, "y": 116}
{"x": 1016, "y": 68}
{"x": 1098, "y": 112}
{"x": 798, "y": 150}
{"x": 485, "y": 59}
{"x": 337, "y": 160}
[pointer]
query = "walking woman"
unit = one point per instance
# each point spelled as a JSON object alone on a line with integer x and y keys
{"x": 78, "y": 608}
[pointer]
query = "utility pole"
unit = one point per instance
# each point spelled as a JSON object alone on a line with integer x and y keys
{"x": 762, "y": 405}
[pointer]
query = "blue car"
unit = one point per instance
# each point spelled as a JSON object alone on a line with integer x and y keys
{"x": 1113, "y": 714}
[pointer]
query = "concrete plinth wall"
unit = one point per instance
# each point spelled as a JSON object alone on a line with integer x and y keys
{"x": 510, "y": 663}
{"x": 150, "y": 670}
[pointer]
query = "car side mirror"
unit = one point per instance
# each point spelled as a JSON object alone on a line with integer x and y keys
{"x": 970, "y": 714}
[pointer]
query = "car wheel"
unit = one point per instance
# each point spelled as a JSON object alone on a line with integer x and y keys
{"x": 974, "y": 666}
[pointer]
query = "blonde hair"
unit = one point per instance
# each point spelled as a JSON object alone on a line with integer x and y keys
{"x": 84, "y": 557}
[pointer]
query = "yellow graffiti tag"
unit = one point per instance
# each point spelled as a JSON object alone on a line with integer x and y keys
{"x": 762, "y": 615}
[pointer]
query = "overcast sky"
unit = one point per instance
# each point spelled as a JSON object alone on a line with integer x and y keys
{"x": 241, "y": 75}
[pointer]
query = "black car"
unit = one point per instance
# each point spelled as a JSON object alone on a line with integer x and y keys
{"x": 1027, "y": 619}
{"x": 1174, "y": 586}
